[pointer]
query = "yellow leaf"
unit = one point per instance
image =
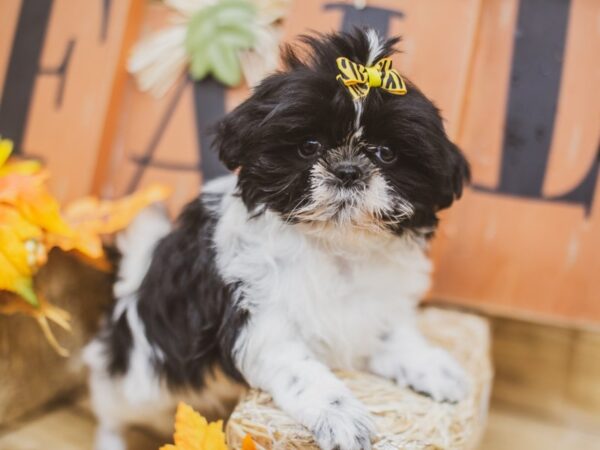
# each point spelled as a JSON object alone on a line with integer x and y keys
{"x": 109, "y": 216}
{"x": 215, "y": 438}
{"x": 31, "y": 223}
{"x": 190, "y": 428}
{"x": 20, "y": 167}
{"x": 11, "y": 185}
{"x": 13, "y": 281}
{"x": 14, "y": 252}
{"x": 39, "y": 207}
{"x": 90, "y": 218}
{"x": 20, "y": 253}
{"x": 29, "y": 195}
{"x": 6, "y": 148}
{"x": 193, "y": 432}
{"x": 10, "y": 217}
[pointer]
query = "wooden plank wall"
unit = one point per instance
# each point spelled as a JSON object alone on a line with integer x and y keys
{"x": 524, "y": 239}
{"x": 519, "y": 101}
{"x": 75, "y": 83}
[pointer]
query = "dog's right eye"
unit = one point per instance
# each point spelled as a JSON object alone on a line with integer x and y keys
{"x": 310, "y": 149}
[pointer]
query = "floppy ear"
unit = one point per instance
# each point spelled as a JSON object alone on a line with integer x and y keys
{"x": 459, "y": 174}
{"x": 230, "y": 135}
{"x": 461, "y": 170}
{"x": 240, "y": 131}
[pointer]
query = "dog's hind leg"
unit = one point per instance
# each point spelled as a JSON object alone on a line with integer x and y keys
{"x": 136, "y": 397}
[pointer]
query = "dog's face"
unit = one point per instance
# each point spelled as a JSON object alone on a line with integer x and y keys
{"x": 306, "y": 150}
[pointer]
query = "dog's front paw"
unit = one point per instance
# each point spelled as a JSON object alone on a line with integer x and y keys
{"x": 344, "y": 425}
{"x": 434, "y": 372}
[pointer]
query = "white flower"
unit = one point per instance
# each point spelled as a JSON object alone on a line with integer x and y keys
{"x": 160, "y": 59}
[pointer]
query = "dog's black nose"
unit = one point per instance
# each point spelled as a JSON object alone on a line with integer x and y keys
{"x": 347, "y": 173}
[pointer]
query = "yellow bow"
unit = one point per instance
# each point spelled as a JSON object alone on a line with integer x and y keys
{"x": 359, "y": 79}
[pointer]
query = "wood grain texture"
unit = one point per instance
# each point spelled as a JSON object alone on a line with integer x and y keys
{"x": 67, "y": 130}
{"x": 154, "y": 130}
{"x": 9, "y": 11}
{"x": 549, "y": 372}
{"x": 517, "y": 256}
{"x": 512, "y": 429}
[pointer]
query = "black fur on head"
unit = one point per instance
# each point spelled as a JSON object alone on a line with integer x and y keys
{"x": 306, "y": 150}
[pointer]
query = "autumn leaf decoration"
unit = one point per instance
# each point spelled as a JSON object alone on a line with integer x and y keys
{"x": 31, "y": 224}
{"x": 194, "y": 432}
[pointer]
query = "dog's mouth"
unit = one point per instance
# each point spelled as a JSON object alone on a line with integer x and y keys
{"x": 364, "y": 204}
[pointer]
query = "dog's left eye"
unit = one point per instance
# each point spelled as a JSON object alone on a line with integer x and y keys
{"x": 384, "y": 154}
{"x": 310, "y": 148}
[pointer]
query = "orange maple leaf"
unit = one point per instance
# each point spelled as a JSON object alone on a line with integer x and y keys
{"x": 90, "y": 218}
{"x": 193, "y": 432}
{"x": 248, "y": 443}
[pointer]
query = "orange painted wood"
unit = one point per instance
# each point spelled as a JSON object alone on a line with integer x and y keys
{"x": 9, "y": 12}
{"x": 140, "y": 117}
{"x": 69, "y": 137}
{"x": 436, "y": 47}
{"x": 522, "y": 257}
{"x": 511, "y": 256}
{"x": 113, "y": 110}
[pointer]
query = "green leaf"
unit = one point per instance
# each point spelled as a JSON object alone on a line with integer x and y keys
{"x": 200, "y": 65}
{"x": 237, "y": 38}
{"x": 225, "y": 64}
{"x": 24, "y": 287}
{"x": 224, "y": 17}
{"x": 198, "y": 34}
{"x": 235, "y": 14}
{"x": 214, "y": 37}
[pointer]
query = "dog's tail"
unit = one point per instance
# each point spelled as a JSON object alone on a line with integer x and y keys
{"x": 136, "y": 245}
{"x": 122, "y": 332}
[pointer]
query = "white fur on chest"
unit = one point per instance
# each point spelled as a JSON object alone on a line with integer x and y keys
{"x": 338, "y": 298}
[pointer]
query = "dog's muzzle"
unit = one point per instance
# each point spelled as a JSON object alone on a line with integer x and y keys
{"x": 348, "y": 173}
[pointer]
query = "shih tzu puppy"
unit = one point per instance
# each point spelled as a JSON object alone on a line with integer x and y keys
{"x": 312, "y": 258}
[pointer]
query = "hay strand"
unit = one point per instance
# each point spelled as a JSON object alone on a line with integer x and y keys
{"x": 405, "y": 420}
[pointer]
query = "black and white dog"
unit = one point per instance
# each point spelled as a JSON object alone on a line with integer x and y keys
{"x": 313, "y": 257}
